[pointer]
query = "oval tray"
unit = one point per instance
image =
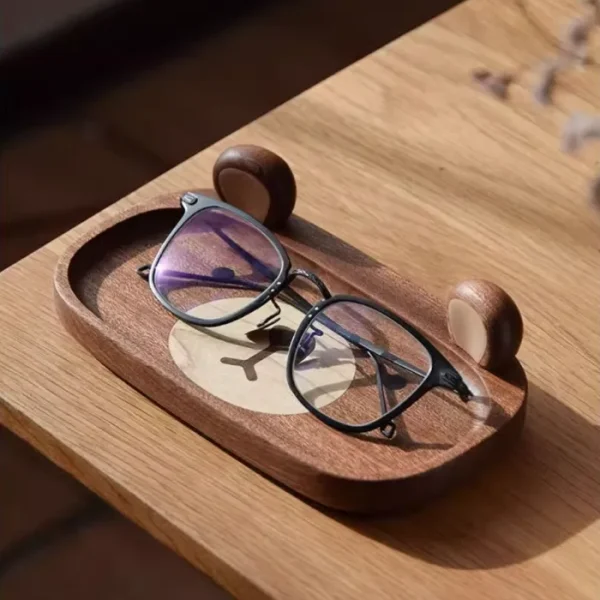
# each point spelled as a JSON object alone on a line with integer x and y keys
{"x": 112, "y": 312}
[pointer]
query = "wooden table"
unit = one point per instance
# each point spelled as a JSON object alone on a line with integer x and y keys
{"x": 401, "y": 156}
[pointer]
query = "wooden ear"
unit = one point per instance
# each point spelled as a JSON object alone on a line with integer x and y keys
{"x": 485, "y": 322}
{"x": 257, "y": 181}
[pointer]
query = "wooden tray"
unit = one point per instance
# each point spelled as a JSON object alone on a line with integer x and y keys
{"x": 109, "y": 309}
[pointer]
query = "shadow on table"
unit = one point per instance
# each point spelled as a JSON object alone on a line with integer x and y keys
{"x": 314, "y": 236}
{"x": 546, "y": 491}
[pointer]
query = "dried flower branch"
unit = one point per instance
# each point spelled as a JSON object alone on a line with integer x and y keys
{"x": 542, "y": 90}
{"x": 595, "y": 8}
{"x": 579, "y": 129}
{"x": 495, "y": 84}
{"x": 574, "y": 43}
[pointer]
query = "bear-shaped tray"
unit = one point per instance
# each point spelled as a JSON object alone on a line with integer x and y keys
{"x": 235, "y": 393}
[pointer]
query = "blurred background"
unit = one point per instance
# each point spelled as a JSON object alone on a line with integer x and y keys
{"x": 96, "y": 98}
{"x": 100, "y": 96}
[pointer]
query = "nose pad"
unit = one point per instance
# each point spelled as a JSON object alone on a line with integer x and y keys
{"x": 304, "y": 350}
{"x": 307, "y": 345}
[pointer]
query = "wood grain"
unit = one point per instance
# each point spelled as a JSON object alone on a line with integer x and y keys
{"x": 395, "y": 154}
{"x": 112, "y": 312}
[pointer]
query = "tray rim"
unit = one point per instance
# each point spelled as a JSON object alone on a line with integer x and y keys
{"x": 70, "y": 307}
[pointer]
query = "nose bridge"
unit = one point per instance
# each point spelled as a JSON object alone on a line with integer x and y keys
{"x": 313, "y": 278}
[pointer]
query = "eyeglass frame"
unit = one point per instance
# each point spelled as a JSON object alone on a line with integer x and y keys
{"x": 441, "y": 373}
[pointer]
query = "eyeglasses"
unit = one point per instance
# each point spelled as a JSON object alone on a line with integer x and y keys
{"x": 377, "y": 364}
